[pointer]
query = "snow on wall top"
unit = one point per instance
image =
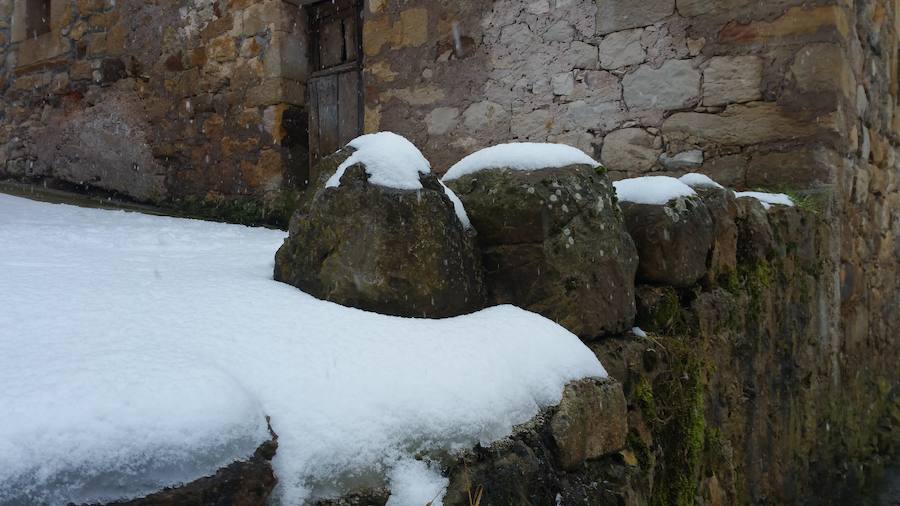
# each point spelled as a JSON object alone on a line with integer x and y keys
{"x": 767, "y": 199}
{"x": 652, "y": 190}
{"x": 520, "y": 156}
{"x": 697, "y": 180}
{"x": 138, "y": 352}
{"x": 390, "y": 160}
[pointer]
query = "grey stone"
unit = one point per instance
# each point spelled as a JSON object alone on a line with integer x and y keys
{"x": 396, "y": 252}
{"x": 732, "y": 79}
{"x": 622, "y": 49}
{"x": 675, "y": 85}
{"x": 616, "y": 15}
{"x": 592, "y": 421}
{"x": 630, "y": 150}
{"x": 603, "y": 85}
{"x": 682, "y": 161}
{"x": 673, "y": 240}
{"x": 441, "y": 120}
{"x": 563, "y": 84}
{"x": 553, "y": 242}
{"x": 485, "y": 114}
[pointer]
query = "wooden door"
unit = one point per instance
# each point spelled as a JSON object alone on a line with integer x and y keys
{"x": 335, "y": 87}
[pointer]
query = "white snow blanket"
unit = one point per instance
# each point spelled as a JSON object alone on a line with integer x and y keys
{"x": 520, "y": 156}
{"x": 138, "y": 352}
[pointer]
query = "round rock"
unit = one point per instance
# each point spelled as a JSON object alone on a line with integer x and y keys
{"x": 553, "y": 242}
{"x": 673, "y": 239}
{"x": 392, "y": 251}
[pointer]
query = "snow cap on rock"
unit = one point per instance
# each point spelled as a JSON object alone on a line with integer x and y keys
{"x": 697, "y": 180}
{"x": 767, "y": 199}
{"x": 390, "y": 160}
{"x": 520, "y": 156}
{"x": 652, "y": 190}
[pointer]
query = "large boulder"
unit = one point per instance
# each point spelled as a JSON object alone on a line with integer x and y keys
{"x": 395, "y": 251}
{"x": 671, "y": 226}
{"x": 553, "y": 242}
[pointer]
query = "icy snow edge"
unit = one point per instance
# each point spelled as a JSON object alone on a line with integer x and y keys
{"x": 393, "y": 162}
{"x": 767, "y": 199}
{"x": 697, "y": 180}
{"x": 520, "y": 156}
{"x": 652, "y": 190}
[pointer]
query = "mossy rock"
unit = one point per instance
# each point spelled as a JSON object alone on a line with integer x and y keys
{"x": 396, "y": 252}
{"x": 553, "y": 242}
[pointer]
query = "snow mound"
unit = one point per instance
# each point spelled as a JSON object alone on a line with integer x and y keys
{"x": 390, "y": 161}
{"x": 138, "y": 352}
{"x": 652, "y": 190}
{"x": 697, "y": 180}
{"x": 520, "y": 156}
{"x": 393, "y": 162}
{"x": 768, "y": 199}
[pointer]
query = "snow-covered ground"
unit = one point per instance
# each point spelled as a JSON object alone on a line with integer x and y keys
{"x": 139, "y": 351}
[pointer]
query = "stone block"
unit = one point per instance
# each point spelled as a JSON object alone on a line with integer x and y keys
{"x": 795, "y": 22}
{"x": 275, "y": 91}
{"x": 675, "y": 85}
{"x": 732, "y": 79}
{"x": 412, "y": 28}
{"x": 592, "y": 421}
{"x": 630, "y": 150}
{"x": 823, "y": 70}
{"x": 692, "y": 8}
{"x": 622, "y": 49}
{"x": 673, "y": 240}
{"x": 485, "y": 115}
{"x": 442, "y": 120}
{"x": 740, "y": 125}
{"x": 616, "y": 15}
{"x": 286, "y": 57}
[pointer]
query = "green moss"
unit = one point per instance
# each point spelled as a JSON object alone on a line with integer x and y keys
{"x": 643, "y": 395}
{"x": 275, "y": 212}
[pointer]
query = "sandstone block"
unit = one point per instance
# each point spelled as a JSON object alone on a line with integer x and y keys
{"x": 630, "y": 150}
{"x": 592, "y": 421}
{"x": 616, "y": 15}
{"x": 732, "y": 79}
{"x": 740, "y": 125}
{"x": 675, "y": 85}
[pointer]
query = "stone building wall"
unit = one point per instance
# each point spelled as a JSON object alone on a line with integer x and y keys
{"x": 194, "y": 102}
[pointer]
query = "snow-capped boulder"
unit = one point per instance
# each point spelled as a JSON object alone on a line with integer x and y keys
{"x": 551, "y": 236}
{"x": 382, "y": 233}
{"x": 670, "y": 225}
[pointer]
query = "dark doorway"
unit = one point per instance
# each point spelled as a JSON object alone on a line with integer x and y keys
{"x": 37, "y": 17}
{"x": 335, "y": 87}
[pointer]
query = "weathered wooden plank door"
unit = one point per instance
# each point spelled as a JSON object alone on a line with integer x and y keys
{"x": 335, "y": 87}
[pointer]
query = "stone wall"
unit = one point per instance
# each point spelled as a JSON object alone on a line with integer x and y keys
{"x": 193, "y": 102}
{"x": 737, "y": 89}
